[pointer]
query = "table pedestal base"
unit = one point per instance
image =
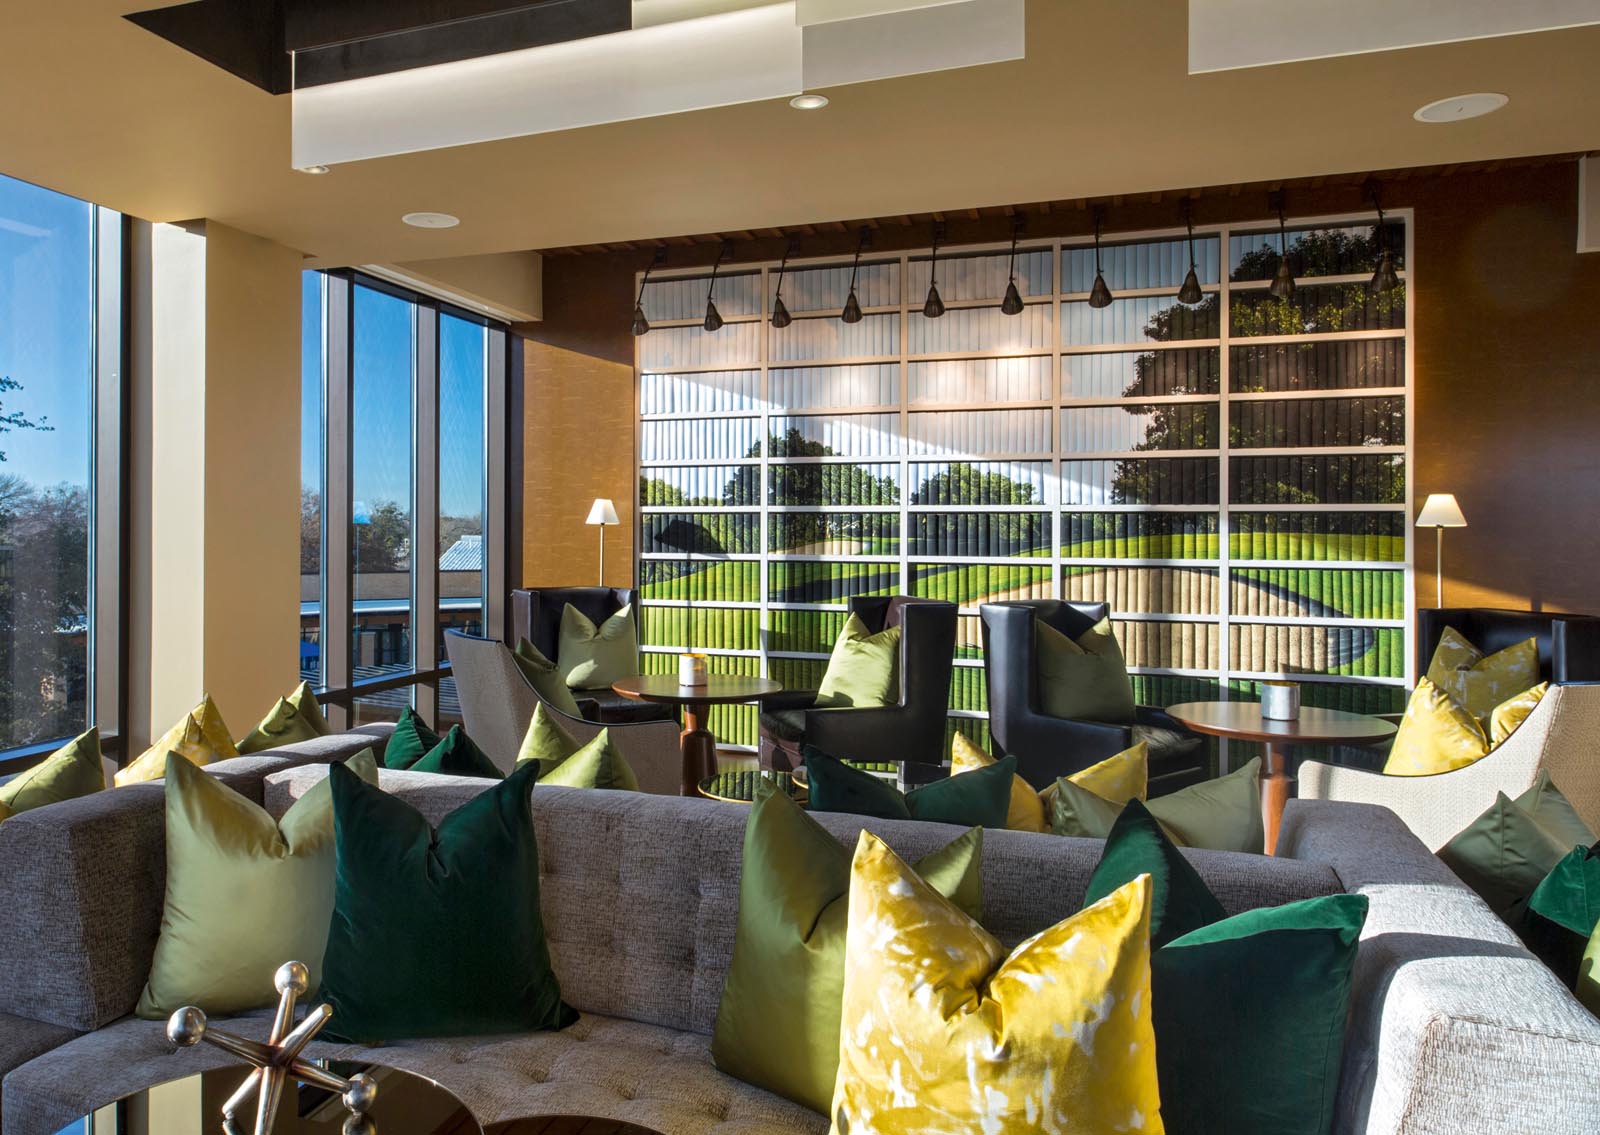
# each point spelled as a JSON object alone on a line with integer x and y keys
{"x": 699, "y": 749}
{"x": 1275, "y": 783}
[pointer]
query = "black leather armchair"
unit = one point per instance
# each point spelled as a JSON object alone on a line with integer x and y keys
{"x": 536, "y": 616}
{"x": 1569, "y": 645}
{"x": 1050, "y": 747}
{"x": 912, "y": 730}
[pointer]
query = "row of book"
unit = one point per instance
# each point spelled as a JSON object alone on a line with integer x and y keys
{"x": 1145, "y": 591}
{"x": 1172, "y": 646}
{"x": 715, "y": 628}
{"x": 969, "y": 689}
{"x": 1310, "y": 422}
{"x": 979, "y": 533}
{"x": 1350, "y": 537}
{"x": 1139, "y": 535}
{"x": 1318, "y": 593}
{"x": 1376, "y": 478}
{"x": 970, "y": 584}
{"x": 1327, "y": 364}
{"x": 1367, "y": 652}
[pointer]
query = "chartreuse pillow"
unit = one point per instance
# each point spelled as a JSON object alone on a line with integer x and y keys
{"x": 1118, "y": 778}
{"x": 974, "y": 799}
{"x": 437, "y": 932}
{"x": 1563, "y": 912}
{"x": 547, "y": 681}
{"x": 71, "y": 771}
{"x": 1511, "y": 713}
{"x": 1504, "y": 855}
{"x": 546, "y": 741}
{"x": 942, "y": 1031}
{"x": 295, "y": 718}
{"x": 778, "y": 1023}
{"x": 456, "y": 755}
{"x": 864, "y": 668}
{"x": 1588, "y": 987}
{"x": 1223, "y": 814}
{"x": 410, "y": 742}
{"x": 200, "y": 738}
{"x": 1250, "y": 1010}
{"x": 1479, "y": 683}
{"x": 1083, "y": 680}
{"x": 245, "y": 892}
{"x": 596, "y": 764}
{"x": 592, "y": 657}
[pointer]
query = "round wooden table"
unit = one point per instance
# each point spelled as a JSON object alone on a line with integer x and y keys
{"x": 1242, "y": 721}
{"x": 699, "y": 746}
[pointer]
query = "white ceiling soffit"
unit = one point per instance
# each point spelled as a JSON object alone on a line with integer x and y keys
{"x": 1225, "y": 35}
{"x": 681, "y": 55}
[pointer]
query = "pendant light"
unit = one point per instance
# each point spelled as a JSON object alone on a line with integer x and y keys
{"x": 1012, "y": 304}
{"x": 1190, "y": 293}
{"x": 640, "y": 323}
{"x": 1099, "y": 295}
{"x": 1282, "y": 285}
{"x": 933, "y": 306}
{"x": 780, "y": 314}
{"x": 852, "y": 306}
{"x": 1384, "y": 278}
{"x": 713, "y": 316}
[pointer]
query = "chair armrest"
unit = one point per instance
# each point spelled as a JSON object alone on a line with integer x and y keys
{"x": 654, "y": 753}
{"x": 1047, "y": 747}
{"x": 588, "y": 709}
{"x": 870, "y": 733}
{"x": 788, "y": 699}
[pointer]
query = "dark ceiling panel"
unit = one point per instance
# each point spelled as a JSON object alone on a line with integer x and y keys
{"x": 243, "y": 37}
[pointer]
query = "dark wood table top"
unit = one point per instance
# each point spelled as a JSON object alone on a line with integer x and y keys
{"x": 720, "y": 689}
{"x": 1242, "y": 721}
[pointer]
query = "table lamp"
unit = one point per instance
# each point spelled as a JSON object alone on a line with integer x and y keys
{"x": 1440, "y": 511}
{"x": 602, "y": 513}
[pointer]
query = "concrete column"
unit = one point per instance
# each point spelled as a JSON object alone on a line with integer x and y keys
{"x": 216, "y": 475}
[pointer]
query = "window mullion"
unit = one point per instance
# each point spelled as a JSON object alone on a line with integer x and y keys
{"x": 337, "y": 536}
{"x": 425, "y": 507}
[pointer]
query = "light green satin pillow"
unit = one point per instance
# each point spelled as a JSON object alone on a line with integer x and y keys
{"x": 547, "y": 741}
{"x": 778, "y": 1023}
{"x": 71, "y": 771}
{"x": 597, "y": 764}
{"x": 547, "y": 681}
{"x": 591, "y": 657}
{"x": 245, "y": 893}
{"x": 1223, "y": 814}
{"x": 864, "y": 668}
{"x": 294, "y": 719}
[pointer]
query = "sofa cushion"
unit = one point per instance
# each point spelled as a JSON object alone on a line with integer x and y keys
{"x": 655, "y": 1077}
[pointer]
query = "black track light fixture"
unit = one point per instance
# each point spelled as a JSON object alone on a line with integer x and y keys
{"x": 780, "y": 314}
{"x": 933, "y": 306}
{"x": 852, "y": 306}
{"x": 1012, "y": 304}
{"x": 713, "y": 316}
{"x": 1282, "y": 286}
{"x": 1099, "y": 295}
{"x": 640, "y": 324}
{"x": 1384, "y": 277}
{"x": 1190, "y": 293}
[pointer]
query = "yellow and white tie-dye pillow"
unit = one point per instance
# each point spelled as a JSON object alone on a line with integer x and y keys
{"x": 942, "y": 1031}
{"x": 1480, "y": 683}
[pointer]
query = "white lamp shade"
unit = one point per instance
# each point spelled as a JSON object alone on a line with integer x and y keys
{"x": 602, "y": 512}
{"x": 1440, "y": 510}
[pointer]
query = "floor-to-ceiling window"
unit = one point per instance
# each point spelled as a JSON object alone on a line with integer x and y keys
{"x": 397, "y": 400}
{"x": 1230, "y": 475}
{"x": 60, "y": 469}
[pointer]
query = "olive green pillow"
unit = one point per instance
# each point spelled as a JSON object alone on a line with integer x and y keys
{"x": 245, "y": 892}
{"x": 1223, "y": 814}
{"x": 1588, "y": 988}
{"x": 1085, "y": 680}
{"x": 410, "y": 742}
{"x": 547, "y": 681}
{"x": 591, "y": 657}
{"x": 1552, "y": 811}
{"x": 71, "y": 771}
{"x": 294, "y": 719}
{"x": 546, "y": 741}
{"x": 597, "y": 764}
{"x": 456, "y": 755}
{"x": 1504, "y": 855}
{"x": 778, "y": 1024}
{"x": 864, "y": 668}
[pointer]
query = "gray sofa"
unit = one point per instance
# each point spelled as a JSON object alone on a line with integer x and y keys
{"x": 1454, "y": 1024}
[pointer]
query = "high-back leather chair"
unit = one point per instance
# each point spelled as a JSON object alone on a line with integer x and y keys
{"x": 912, "y": 730}
{"x": 1568, "y": 652}
{"x": 1050, "y": 747}
{"x": 536, "y": 616}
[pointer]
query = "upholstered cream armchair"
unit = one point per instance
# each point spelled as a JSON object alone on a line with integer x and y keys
{"x": 1561, "y": 736}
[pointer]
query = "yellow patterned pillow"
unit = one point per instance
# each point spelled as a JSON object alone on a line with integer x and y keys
{"x": 1461, "y": 670}
{"x": 942, "y": 1031}
{"x": 1513, "y": 712}
{"x": 1436, "y": 734}
{"x": 1118, "y": 779}
{"x": 200, "y": 738}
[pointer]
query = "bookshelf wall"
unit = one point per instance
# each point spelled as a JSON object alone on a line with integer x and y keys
{"x": 1231, "y": 477}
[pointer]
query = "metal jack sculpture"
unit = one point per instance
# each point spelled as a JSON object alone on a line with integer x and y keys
{"x": 278, "y": 1058}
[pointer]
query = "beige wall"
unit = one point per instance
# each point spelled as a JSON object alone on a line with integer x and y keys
{"x": 216, "y": 472}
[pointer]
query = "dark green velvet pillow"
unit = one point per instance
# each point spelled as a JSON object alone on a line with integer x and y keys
{"x": 1564, "y": 911}
{"x": 410, "y": 741}
{"x": 437, "y": 933}
{"x": 456, "y": 755}
{"x": 1249, "y": 1011}
{"x": 1180, "y": 902}
{"x": 981, "y": 798}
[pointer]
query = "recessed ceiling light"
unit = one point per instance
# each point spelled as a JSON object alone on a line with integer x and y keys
{"x": 314, "y": 169}
{"x": 809, "y": 102}
{"x": 431, "y": 220}
{"x": 1457, "y": 108}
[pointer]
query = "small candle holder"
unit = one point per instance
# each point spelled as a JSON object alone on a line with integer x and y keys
{"x": 1280, "y": 700}
{"x": 692, "y": 669}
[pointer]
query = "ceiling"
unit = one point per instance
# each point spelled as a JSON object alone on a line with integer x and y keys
{"x": 1103, "y": 105}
